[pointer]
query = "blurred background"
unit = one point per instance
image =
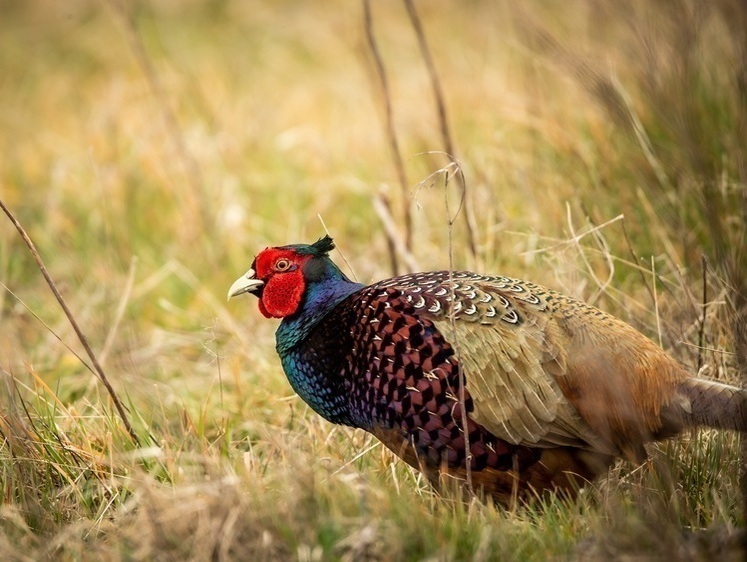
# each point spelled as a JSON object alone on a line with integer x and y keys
{"x": 150, "y": 149}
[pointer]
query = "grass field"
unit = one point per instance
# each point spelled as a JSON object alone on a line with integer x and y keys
{"x": 150, "y": 149}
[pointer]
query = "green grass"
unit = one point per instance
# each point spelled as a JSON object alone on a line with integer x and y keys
{"x": 144, "y": 222}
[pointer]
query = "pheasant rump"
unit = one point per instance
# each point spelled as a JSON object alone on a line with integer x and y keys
{"x": 554, "y": 389}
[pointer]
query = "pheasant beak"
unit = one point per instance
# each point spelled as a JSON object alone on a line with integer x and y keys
{"x": 247, "y": 283}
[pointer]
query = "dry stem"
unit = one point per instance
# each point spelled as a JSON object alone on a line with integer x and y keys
{"x": 399, "y": 165}
{"x": 81, "y": 336}
{"x": 443, "y": 121}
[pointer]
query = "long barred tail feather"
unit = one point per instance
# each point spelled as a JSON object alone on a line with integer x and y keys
{"x": 714, "y": 404}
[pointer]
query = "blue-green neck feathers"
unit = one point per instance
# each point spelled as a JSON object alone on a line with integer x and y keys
{"x": 313, "y": 373}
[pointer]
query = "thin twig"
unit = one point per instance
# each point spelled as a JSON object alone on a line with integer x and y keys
{"x": 443, "y": 120}
{"x": 601, "y": 285}
{"x": 392, "y": 235}
{"x": 47, "y": 326}
{"x": 339, "y": 251}
{"x": 514, "y": 483}
{"x": 704, "y": 306}
{"x": 714, "y": 350}
{"x": 394, "y": 239}
{"x": 355, "y": 458}
{"x": 575, "y": 240}
{"x": 200, "y": 209}
{"x": 438, "y": 95}
{"x": 119, "y": 314}
{"x": 452, "y": 319}
{"x": 635, "y": 261}
{"x": 399, "y": 165}
{"x": 83, "y": 340}
{"x": 645, "y": 143}
{"x": 656, "y": 299}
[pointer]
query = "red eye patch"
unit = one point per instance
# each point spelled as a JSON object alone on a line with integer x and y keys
{"x": 266, "y": 260}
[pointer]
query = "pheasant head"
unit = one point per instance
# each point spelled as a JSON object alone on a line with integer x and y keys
{"x": 294, "y": 280}
{"x": 300, "y": 285}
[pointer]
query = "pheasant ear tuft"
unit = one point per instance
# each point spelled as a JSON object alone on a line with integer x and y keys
{"x": 318, "y": 249}
{"x": 323, "y": 246}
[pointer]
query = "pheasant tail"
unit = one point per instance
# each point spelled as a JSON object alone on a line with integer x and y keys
{"x": 714, "y": 405}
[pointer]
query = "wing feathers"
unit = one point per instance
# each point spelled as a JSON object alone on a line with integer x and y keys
{"x": 544, "y": 369}
{"x": 511, "y": 369}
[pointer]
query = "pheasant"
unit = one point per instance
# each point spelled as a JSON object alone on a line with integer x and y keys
{"x": 520, "y": 386}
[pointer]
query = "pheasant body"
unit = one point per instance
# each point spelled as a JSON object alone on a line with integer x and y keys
{"x": 554, "y": 389}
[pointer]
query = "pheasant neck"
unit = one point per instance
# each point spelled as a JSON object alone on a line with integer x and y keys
{"x": 313, "y": 367}
{"x": 324, "y": 293}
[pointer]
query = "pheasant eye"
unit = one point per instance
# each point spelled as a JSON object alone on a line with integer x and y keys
{"x": 282, "y": 264}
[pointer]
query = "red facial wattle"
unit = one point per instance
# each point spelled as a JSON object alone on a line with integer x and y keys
{"x": 282, "y": 294}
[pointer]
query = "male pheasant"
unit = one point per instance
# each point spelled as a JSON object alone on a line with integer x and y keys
{"x": 554, "y": 389}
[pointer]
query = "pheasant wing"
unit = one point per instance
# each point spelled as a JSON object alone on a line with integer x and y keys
{"x": 509, "y": 351}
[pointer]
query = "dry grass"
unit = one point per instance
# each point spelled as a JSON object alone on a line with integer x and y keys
{"x": 146, "y": 201}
